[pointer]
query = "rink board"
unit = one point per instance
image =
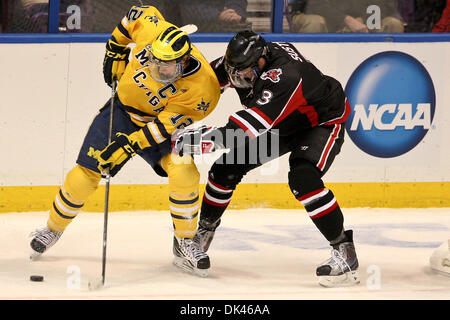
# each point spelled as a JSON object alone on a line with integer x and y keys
{"x": 55, "y": 89}
{"x": 247, "y": 195}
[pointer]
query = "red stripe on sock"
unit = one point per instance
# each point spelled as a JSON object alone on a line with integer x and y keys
{"x": 309, "y": 195}
{"x": 215, "y": 204}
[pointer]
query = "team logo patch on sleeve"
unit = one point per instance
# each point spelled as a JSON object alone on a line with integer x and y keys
{"x": 203, "y": 106}
{"x": 153, "y": 19}
{"x": 273, "y": 75}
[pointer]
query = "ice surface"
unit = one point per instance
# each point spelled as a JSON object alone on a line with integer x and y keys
{"x": 257, "y": 254}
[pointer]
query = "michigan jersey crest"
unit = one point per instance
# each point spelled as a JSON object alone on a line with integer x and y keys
{"x": 203, "y": 106}
{"x": 153, "y": 19}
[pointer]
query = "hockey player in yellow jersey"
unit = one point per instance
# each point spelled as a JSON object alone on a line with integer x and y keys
{"x": 164, "y": 84}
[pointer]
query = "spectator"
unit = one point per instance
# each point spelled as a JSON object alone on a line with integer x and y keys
{"x": 344, "y": 16}
{"x": 37, "y": 12}
{"x": 306, "y": 23}
{"x": 406, "y": 9}
{"x": 34, "y": 7}
{"x": 16, "y": 15}
{"x": 27, "y": 3}
{"x": 443, "y": 25}
{"x": 215, "y": 15}
{"x": 426, "y": 14}
{"x": 169, "y": 10}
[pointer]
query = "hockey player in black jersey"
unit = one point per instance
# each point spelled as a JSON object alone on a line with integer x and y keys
{"x": 287, "y": 100}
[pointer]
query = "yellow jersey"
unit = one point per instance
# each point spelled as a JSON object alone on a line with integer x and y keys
{"x": 161, "y": 108}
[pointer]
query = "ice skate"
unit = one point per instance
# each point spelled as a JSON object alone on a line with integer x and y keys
{"x": 189, "y": 257}
{"x": 440, "y": 259}
{"x": 205, "y": 234}
{"x": 42, "y": 240}
{"x": 341, "y": 269}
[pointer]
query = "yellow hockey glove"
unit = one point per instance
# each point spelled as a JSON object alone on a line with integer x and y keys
{"x": 115, "y": 62}
{"x": 117, "y": 153}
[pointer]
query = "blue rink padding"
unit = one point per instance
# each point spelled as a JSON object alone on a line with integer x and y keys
{"x": 225, "y": 37}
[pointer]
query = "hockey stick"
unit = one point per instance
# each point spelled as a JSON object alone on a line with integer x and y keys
{"x": 189, "y": 28}
{"x": 92, "y": 285}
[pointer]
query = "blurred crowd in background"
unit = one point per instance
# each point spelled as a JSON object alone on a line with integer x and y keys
{"x": 229, "y": 16}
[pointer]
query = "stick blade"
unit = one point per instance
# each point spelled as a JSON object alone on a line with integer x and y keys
{"x": 189, "y": 28}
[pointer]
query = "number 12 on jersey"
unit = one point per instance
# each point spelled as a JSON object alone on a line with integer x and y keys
{"x": 183, "y": 124}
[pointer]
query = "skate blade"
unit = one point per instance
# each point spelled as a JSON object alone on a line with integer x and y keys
{"x": 184, "y": 265}
{"x": 34, "y": 255}
{"x": 344, "y": 280}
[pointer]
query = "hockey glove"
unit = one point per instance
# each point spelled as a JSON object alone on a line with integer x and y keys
{"x": 117, "y": 153}
{"x": 116, "y": 59}
{"x": 195, "y": 141}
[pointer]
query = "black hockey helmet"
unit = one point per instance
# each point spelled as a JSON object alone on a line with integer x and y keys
{"x": 243, "y": 52}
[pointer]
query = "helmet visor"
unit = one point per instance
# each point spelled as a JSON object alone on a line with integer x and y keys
{"x": 165, "y": 71}
{"x": 242, "y": 78}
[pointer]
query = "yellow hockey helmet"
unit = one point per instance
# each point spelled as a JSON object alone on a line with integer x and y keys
{"x": 171, "y": 44}
{"x": 166, "y": 52}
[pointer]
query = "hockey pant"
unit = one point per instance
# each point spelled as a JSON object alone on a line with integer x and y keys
{"x": 311, "y": 154}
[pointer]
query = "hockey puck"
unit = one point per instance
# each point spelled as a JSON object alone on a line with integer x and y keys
{"x": 37, "y": 278}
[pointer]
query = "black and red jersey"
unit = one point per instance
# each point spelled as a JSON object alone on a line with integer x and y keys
{"x": 291, "y": 95}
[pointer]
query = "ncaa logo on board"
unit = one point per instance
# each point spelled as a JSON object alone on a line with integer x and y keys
{"x": 393, "y": 104}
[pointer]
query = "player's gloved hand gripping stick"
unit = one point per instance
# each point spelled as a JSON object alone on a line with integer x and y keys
{"x": 115, "y": 61}
{"x": 195, "y": 141}
{"x": 117, "y": 153}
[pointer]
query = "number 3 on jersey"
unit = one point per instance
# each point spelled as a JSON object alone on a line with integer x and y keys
{"x": 266, "y": 96}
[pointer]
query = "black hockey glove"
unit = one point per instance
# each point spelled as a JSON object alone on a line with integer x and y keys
{"x": 117, "y": 153}
{"x": 195, "y": 141}
{"x": 116, "y": 59}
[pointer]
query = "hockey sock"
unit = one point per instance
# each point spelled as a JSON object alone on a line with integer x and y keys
{"x": 80, "y": 183}
{"x": 184, "y": 201}
{"x": 215, "y": 201}
{"x": 184, "y": 212}
{"x": 306, "y": 184}
{"x": 341, "y": 238}
{"x": 325, "y": 213}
